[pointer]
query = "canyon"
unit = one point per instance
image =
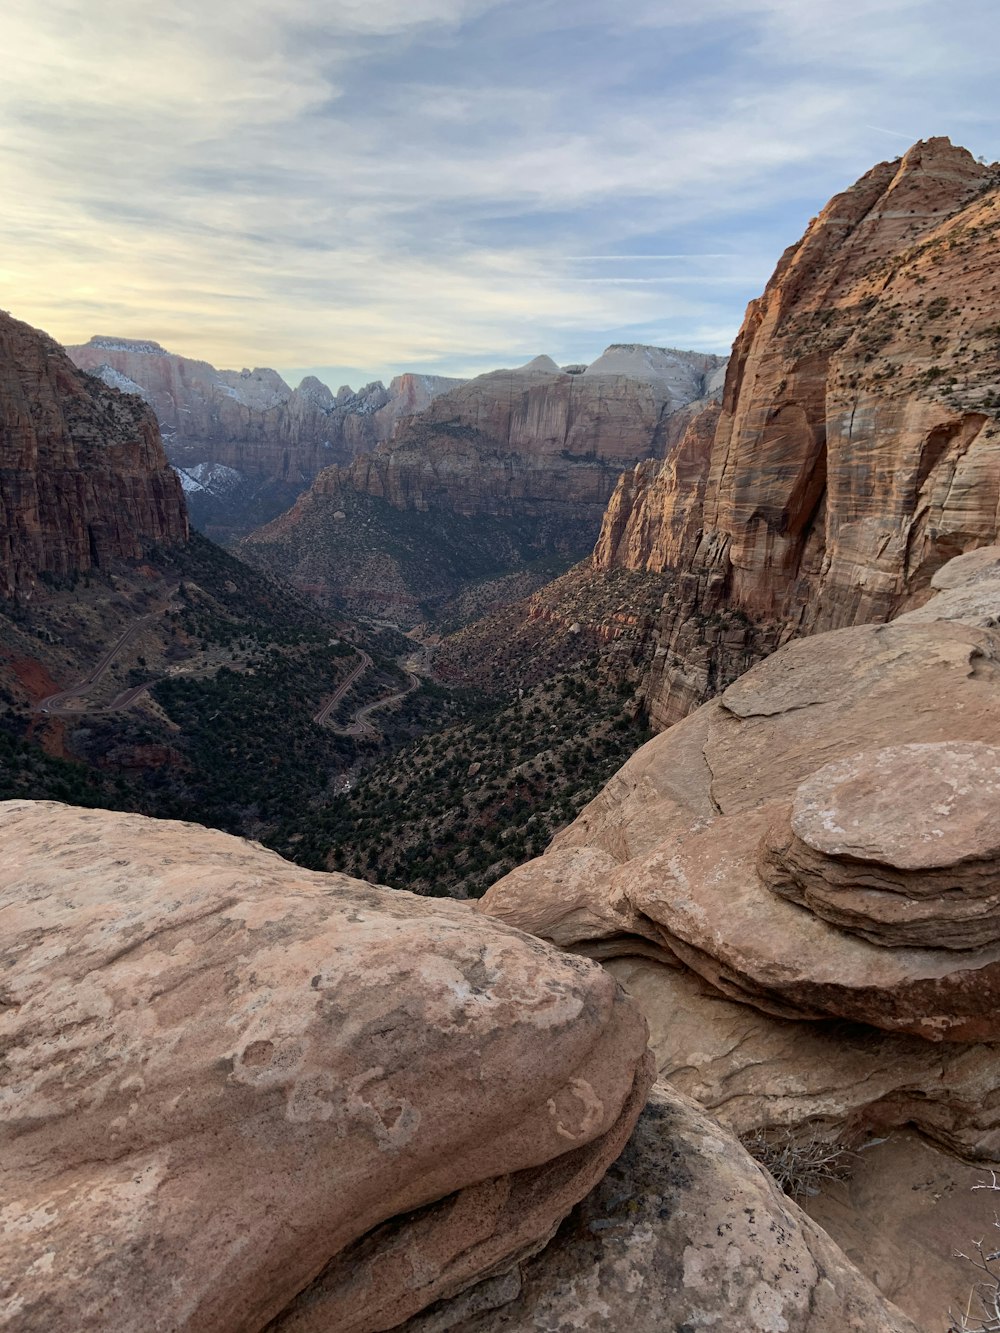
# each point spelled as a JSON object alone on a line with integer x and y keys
{"x": 514, "y": 467}
{"x": 245, "y": 442}
{"x": 241, "y": 1093}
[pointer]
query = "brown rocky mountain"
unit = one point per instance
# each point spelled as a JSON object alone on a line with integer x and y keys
{"x": 858, "y": 445}
{"x": 83, "y": 475}
{"x": 511, "y": 466}
{"x": 798, "y": 883}
{"x": 247, "y": 443}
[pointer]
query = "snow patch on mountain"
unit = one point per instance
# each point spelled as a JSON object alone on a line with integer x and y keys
{"x": 212, "y": 478}
{"x": 116, "y": 380}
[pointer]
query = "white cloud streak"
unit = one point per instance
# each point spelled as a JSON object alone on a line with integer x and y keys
{"x": 377, "y": 183}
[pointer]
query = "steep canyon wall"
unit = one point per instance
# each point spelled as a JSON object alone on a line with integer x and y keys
{"x": 83, "y": 475}
{"x": 857, "y": 448}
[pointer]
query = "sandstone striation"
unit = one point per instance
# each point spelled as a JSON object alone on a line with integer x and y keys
{"x": 857, "y": 448}
{"x": 83, "y": 476}
{"x": 251, "y": 419}
{"x": 798, "y": 883}
{"x": 533, "y": 440}
{"x": 225, "y": 1074}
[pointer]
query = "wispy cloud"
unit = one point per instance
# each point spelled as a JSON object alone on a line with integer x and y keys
{"x": 370, "y": 184}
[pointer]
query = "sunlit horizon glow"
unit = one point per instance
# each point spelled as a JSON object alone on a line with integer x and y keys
{"x": 364, "y": 187}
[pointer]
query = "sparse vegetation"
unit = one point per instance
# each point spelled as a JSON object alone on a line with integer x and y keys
{"x": 982, "y": 1311}
{"x": 800, "y": 1163}
{"x": 457, "y": 808}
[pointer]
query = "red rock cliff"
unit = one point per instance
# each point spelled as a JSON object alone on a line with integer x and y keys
{"x": 857, "y": 448}
{"x": 534, "y": 440}
{"x": 83, "y": 475}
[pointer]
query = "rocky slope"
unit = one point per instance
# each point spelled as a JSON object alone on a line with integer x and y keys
{"x": 242, "y": 1096}
{"x": 250, "y": 421}
{"x": 857, "y": 447}
{"x": 83, "y": 476}
{"x": 527, "y": 457}
{"x": 798, "y": 884}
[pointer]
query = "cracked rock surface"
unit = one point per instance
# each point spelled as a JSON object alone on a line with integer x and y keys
{"x": 684, "y": 1232}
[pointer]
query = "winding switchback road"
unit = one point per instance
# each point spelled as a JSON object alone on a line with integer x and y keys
{"x": 359, "y": 724}
{"x": 60, "y": 703}
{"x": 321, "y": 717}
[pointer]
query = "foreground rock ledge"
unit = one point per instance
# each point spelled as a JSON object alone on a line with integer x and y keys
{"x": 684, "y": 1232}
{"x": 220, "y": 1071}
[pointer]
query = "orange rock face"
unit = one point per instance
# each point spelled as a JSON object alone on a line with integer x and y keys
{"x": 857, "y": 449}
{"x": 526, "y": 440}
{"x": 83, "y": 475}
{"x": 798, "y": 883}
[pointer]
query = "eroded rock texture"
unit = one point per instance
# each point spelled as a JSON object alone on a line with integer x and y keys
{"x": 83, "y": 476}
{"x": 684, "y": 1232}
{"x": 857, "y": 448}
{"x": 251, "y": 419}
{"x": 246, "y": 442}
{"x": 222, "y": 1072}
{"x": 534, "y": 440}
{"x": 798, "y": 883}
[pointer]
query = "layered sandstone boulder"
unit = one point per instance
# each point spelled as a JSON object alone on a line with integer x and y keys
{"x": 799, "y": 884}
{"x": 858, "y": 446}
{"x": 684, "y": 1231}
{"x": 235, "y": 1091}
{"x": 83, "y": 476}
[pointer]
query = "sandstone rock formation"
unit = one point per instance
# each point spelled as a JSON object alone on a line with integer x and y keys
{"x": 83, "y": 476}
{"x": 798, "y": 883}
{"x": 252, "y": 421}
{"x": 535, "y": 451}
{"x": 535, "y": 440}
{"x": 223, "y": 1073}
{"x": 858, "y": 446}
{"x": 684, "y": 1231}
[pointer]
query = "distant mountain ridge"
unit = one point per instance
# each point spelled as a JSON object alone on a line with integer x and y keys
{"x": 531, "y": 455}
{"x": 277, "y": 438}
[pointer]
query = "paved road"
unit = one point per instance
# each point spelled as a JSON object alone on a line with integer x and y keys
{"x": 59, "y": 702}
{"x": 360, "y": 725}
{"x": 343, "y": 687}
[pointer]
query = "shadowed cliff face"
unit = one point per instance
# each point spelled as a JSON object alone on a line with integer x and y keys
{"x": 857, "y": 449}
{"x": 83, "y": 475}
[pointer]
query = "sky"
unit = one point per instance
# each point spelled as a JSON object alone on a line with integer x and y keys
{"x": 354, "y": 188}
